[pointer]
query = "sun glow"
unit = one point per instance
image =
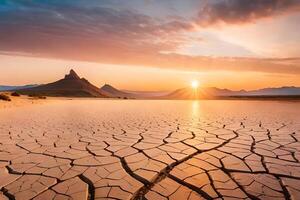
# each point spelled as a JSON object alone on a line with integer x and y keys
{"x": 195, "y": 84}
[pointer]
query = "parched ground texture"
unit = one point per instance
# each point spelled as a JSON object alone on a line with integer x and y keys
{"x": 177, "y": 150}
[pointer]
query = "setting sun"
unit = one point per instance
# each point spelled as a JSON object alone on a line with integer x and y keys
{"x": 195, "y": 84}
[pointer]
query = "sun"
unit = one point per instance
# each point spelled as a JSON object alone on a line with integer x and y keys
{"x": 195, "y": 84}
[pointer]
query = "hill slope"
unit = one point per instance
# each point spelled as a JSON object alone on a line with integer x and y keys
{"x": 110, "y": 91}
{"x": 116, "y": 93}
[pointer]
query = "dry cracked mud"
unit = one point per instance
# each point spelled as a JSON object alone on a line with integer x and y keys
{"x": 96, "y": 149}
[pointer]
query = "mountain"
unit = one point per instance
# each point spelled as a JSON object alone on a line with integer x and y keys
{"x": 214, "y": 93}
{"x": 70, "y": 86}
{"x": 10, "y": 88}
{"x": 110, "y": 91}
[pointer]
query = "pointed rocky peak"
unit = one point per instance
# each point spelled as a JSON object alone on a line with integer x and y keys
{"x": 106, "y": 86}
{"x": 72, "y": 75}
{"x": 85, "y": 80}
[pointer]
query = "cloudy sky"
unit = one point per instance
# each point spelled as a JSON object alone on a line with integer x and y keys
{"x": 152, "y": 44}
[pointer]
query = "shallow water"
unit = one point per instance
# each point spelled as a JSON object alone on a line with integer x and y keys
{"x": 89, "y": 148}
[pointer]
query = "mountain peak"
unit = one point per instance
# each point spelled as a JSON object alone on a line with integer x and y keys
{"x": 107, "y": 86}
{"x": 72, "y": 75}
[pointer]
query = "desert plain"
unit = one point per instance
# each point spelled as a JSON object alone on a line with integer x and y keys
{"x": 61, "y": 148}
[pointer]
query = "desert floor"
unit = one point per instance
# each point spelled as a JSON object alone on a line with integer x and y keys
{"x": 123, "y": 149}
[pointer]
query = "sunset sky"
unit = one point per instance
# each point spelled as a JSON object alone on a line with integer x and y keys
{"x": 152, "y": 44}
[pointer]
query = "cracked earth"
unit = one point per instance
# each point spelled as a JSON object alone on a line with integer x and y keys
{"x": 106, "y": 149}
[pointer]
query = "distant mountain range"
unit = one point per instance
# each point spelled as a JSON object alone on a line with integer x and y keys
{"x": 212, "y": 92}
{"x": 275, "y": 91}
{"x": 201, "y": 93}
{"x": 74, "y": 86}
{"x": 70, "y": 86}
{"x": 10, "y": 88}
